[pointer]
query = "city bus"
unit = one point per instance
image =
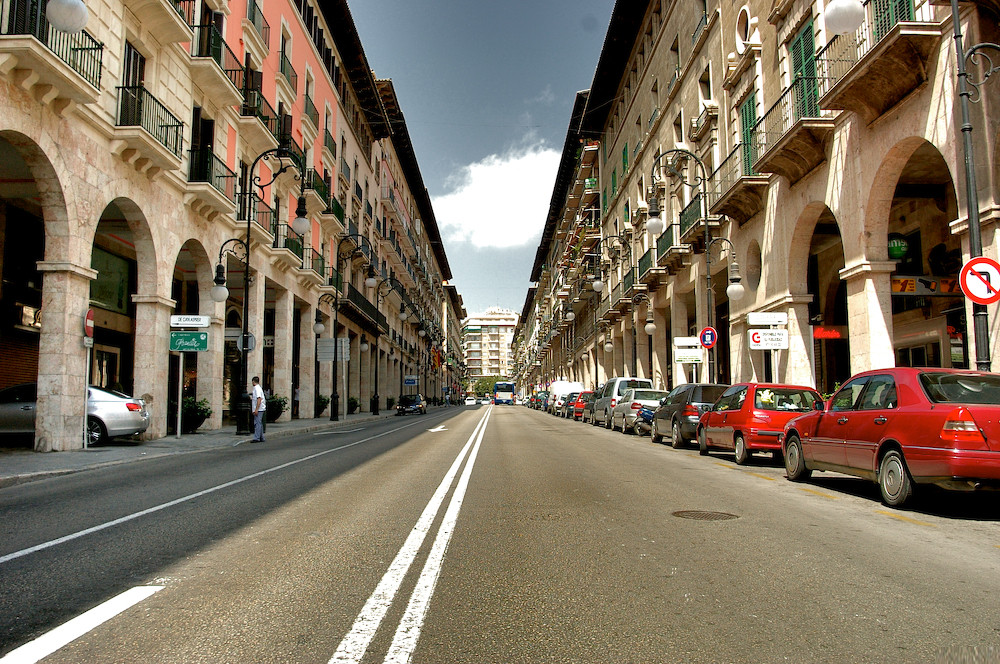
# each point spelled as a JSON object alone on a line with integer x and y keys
{"x": 503, "y": 393}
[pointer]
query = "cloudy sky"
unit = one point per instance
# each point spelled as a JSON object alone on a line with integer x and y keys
{"x": 487, "y": 89}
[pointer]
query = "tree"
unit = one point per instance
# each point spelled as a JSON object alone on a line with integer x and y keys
{"x": 485, "y": 385}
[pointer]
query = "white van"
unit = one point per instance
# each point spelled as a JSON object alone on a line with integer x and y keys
{"x": 613, "y": 390}
{"x": 558, "y": 391}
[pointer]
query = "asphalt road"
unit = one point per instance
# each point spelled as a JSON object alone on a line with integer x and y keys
{"x": 561, "y": 542}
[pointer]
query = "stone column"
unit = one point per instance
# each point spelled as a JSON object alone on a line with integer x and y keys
{"x": 642, "y": 343}
{"x": 679, "y": 328}
{"x": 661, "y": 339}
{"x": 354, "y": 371}
{"x": 326, "y": 368}
{"x": 307, "y": 363}
{"x": 283, "y": 312}
{"x": 365, "y": 375}
{"x": 255, "y": 358}
{"x": 869, "y": 314}
{"x": 210, "y": 371}
{"x": 796, "y": 362}
{"x": 152, "y": 350}
{"x": 62, "y": 358}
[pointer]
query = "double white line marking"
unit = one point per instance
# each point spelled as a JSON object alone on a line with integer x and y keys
{"x": 355, "y": 644}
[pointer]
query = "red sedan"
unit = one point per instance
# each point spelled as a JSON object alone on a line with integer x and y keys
{"x": 902, "y": 426}
{"x": 749, "y": 417}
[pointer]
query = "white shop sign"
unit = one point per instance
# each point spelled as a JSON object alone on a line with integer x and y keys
{"x": 768, "y": 339}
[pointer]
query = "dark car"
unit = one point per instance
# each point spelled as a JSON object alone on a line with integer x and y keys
{"x": 588, "y": 407}
{"x": 678, "y": 416}
{"x": 541, "y": 400}
{"x": 566, "y": 410}
{"x": 411, "y": 403}
{"x": 901, "y": 427}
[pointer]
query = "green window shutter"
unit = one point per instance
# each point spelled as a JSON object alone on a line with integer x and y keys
{"x": 604, "y": 202}
{"x": 625, "y": 159}
{"x": 748, "y": 119}
{"x": 614, "y": 181}
{"x": 627, "y": 217}
{"x": 803, "y": 52}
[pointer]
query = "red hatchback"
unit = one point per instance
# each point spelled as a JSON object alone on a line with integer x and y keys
{"x": 749, "y": 417}
{"x": 902, "y": 426}
{"x": 577, "y": 405}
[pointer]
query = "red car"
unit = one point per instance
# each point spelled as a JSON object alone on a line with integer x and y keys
{"x": 749, "y": 417}
{"x": 581, "y": 400}
{"x": 902, "y": 426}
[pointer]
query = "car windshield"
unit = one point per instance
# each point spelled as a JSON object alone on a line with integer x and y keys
{"x": 407, "y": 400}
{"x": 785, "y": 399}
{"x": 708, "y": 393}
{"x": 961, "y": 387}
{"x": 649, "y": 395}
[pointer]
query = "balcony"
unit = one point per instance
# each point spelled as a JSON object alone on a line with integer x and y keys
{"x": 215, "y": 68}
{"x": 693, "y": 224}
{"x": 61, "y": 69}
{"x": 314, "y": 265}
{"x": 363, "y": 312}
{"x": 886, "y": 59}
{"x": 671, "y": 255}
{"x": 335, "y": 209}
{"x": 212, "y": 188}
{"x": 791, "y": 138}
{"x": 345, "y": 172}
{"x": 317, "y": 192}
{"x": 649, "y": 272}
{"x": 289, "y": 76}
{"x": 288, "y": 240}
{"x": 146, "y": 133}
{"x": 330, "y": 145}
{"x": 258, "y": 123}
{"x": 309, "y": 112}
{"x": 256, "y": 29}
{"x": 739, "y": 191}
{"x": 169, "y": 20}
{"x": 358, "y": 193}
{"x": 701, "y": 125}
{"x": 264, "y": 217}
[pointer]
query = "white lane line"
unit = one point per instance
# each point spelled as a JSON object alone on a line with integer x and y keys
{"x": 48, "y": 643}
{"x": 88, "y": 531}
{"x": 408, "y": 632}
{"x": 353, "y": 647}
{"x": 330, "y": 433}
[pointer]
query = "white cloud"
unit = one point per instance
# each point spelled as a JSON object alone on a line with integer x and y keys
{"x": 500, "y": 201}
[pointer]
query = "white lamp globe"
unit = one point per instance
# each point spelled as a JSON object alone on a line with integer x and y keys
{"x": 654, "y": 225}
{"x": 608, "y": 347}
{"x": 67, "y": 15}
{"x": 318, "y": 328}
{"x": 364, "y": 346}
{"x": 421, "y": 332}
{"x": 735, "y": 291}
{"x": 650, "y": 328}
{"x": 598, "y": 285}
{"x": 300, "y": 225}
{"x": 403, "y": 315}
{"x": 220, "y": 293}
{"x": 570, "y": 316}
{"x": 370, "y": 282}
{"x": 844, "y": 17}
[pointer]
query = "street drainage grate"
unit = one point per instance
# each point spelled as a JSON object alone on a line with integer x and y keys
{"x": 699, "y": 515}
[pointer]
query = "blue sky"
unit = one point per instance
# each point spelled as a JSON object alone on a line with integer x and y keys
{"x": 487, "y": 89}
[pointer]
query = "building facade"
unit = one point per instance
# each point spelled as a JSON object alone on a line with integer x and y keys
{"x": 487, "y": 339}
{"x": 130, "y": 165}
{"x": 824, "y": 171}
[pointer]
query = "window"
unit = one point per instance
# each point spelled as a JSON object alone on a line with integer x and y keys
{"x": 803, "y": 52}
{"x": 748, "y": 120}
{"x": 880, "y": 394}
{"x": 848, "y": 394}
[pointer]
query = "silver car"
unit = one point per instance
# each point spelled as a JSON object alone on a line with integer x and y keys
{"x": 625, "y": 411}
{"x": 109, "y": 414}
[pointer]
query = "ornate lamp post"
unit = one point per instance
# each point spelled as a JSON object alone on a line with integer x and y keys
{"x": 383, "y": 289}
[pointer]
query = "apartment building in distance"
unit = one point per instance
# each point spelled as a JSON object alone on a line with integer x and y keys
{"x": 487, "y": 339}
{"x": 131, "y": 176}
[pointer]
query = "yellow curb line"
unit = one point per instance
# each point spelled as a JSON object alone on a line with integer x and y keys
{"x": 817, "y": 493}
{"x": 905, "y": 518}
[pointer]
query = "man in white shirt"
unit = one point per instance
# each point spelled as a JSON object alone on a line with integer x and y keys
{"x": 258, "y": 405}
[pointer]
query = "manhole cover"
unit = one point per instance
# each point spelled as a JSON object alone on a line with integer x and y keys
{"x": 700, "y": 515}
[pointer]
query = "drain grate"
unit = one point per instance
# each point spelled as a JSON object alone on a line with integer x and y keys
{"x": 700, "y": 515}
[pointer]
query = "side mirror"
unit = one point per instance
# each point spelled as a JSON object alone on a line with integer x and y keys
{"x": 819, "y": 405}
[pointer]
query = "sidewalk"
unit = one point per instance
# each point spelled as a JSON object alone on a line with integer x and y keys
{"x": 20, "y": 465}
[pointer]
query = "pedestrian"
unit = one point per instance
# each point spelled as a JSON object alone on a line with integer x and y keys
{"x": 259, "y": 408}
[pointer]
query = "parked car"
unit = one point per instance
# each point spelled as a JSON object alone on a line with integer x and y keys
{"x": 558, "y": 390}
{"x": 903, "y": 426}
{"x": 580, "y": 403}
{"x": 678, "y": 416}
{"x": 609, "y": 396}
{"x": 110, "y": 414}
{"x": 485, "y": 401}
{"x": 588, "y": 406}
{"x": 624, "y": 413}
{"x": 543, "y": 400}
{"x": 566, "y": 409}
{"x": 411, "y": 403}
{"x": 750, "y": 417}
{"x": 470, "y": 401}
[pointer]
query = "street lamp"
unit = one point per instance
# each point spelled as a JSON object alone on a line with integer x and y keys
{"x": 67, "y": 15}
{"x": 219, "y": 292}
{"x": 386, "y": 286}
{"x": 844, "y": 17}
{"x": 359, "y": 241}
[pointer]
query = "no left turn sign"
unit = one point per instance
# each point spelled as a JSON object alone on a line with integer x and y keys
{"x": 980, "y": 280}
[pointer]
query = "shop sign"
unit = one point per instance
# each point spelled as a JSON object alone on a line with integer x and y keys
{"x": 189, "y": 342}
{"x": 768, "y": 339}
{"x": 926, "y": 286}
{"x": 830, "y": 332}
{"x": 898, "y": 246}
{"x": 689, "y": 355}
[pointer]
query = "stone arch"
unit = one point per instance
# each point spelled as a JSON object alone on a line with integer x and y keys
{"x": 800, "y": 244}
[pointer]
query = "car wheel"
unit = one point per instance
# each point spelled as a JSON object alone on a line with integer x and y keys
{"x": 894, "y": 480}
{"x": 96, "y": 433}
{"x": 702, "y": 443}
{"x": 626, "y": 428}
{"x": 795, "y": 463}
{"x": 654, "y": 435}
{"x": 676, "y": 440}
{"x": 742, "y": 453}
{"x": 608, "y": 422}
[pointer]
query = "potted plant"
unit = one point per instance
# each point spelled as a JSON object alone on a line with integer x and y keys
{"x": 322, "y": 401}
{"x": 275, "y": 407}
{"x": 194, "y": 412}
{"x": 390, "y": 403}
{"x": 352, "y": 405}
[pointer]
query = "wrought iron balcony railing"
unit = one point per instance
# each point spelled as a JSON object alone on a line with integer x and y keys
{"x": 310, "y": 110}
{"x": 137, "y": 107}
{"x": 209, "y": 43}
{"x": 256, "y": 17}
{"x": 289, "y": 73}
{"x": 80, "y": 51}
{"x": 206, "y": 167}
{"x": 255, "y": 105}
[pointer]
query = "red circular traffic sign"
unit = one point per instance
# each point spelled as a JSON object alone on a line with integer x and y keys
{"x": 708, "y": 337}
{"x": 980, "y": 280}
{"x": 88, "y": 323}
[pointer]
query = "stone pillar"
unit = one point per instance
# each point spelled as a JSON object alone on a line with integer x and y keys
{"x": 326, "y": 368}
{"x": 255, "y": 358}
{"x": 210, "y": 371}
{"x": 642, "y": 343}
{"x": 869, "y": 314}
{"x": 796, "y": 363}
{"x": 152, "y": 349}
{"x": 679, "y": 328}
{"x": 62, "y": 358}
{"x": 354, "y": 371}
{"x": 283, "y": 312}
{"x": 365, "y": 375}
{"x": 307, "y": 363}
{"x": 661, "y": 341}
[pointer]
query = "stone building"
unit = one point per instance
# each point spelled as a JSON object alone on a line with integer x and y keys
{"x": 828, "y": 168}
{"x": 129, "y": 160}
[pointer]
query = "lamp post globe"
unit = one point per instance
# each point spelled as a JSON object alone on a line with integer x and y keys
{"x": 608, "y": 347}
{"x": 319, "y": 328}
{"x": 598, "y": 285}
{"x": 570, "y": 316}
{"x": 364, "y": 346}
{"x": 220, "y": 293}
{"x": 650, "y": 327}
{"x": 654, "y": 225}
{"x": 67, "y": 15}
{"x": 735, "y": 291}
{"x": 844, "y": 17}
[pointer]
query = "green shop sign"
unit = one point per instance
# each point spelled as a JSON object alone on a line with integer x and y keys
{"x": 189, "y": 342}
